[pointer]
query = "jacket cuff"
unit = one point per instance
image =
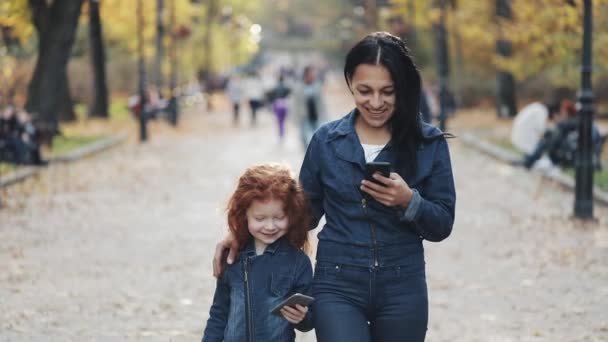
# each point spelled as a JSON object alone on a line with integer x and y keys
{"x": 409, "y": 214}
{"x": 306, "y": 324}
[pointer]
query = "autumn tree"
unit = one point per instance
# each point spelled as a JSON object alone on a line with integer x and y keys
{"x": 15, "y": 32}
{"x": 49, "y": 97}
{"x": 545, "y": 39}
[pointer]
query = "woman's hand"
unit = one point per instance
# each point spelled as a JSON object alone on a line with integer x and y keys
{"x": 294, "y": 314}
{"x": 394, "y": 193}
{"x": 229, "y": 243}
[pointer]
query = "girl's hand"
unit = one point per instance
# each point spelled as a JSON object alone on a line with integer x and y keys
{"x": 228, "y": 244}
{"x": 394, "y": 193}
{"x": 294, "y": 314}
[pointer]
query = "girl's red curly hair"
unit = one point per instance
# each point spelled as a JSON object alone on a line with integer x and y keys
{"x": 262, "y": 183}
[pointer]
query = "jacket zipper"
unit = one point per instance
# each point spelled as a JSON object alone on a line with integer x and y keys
{"x": 373, "y": 231}
{"x": 249, "y": 315}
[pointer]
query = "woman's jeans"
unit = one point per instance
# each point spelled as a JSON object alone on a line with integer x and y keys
{"x": 380, "y": 304}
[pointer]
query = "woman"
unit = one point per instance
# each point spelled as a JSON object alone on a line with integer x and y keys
{"x": 369, "y": 282}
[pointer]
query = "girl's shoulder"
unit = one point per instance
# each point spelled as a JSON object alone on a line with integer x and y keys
{"x": 296, "y": 253}
{"x": 232, "y": 271}
{"x": 300, "y": 256}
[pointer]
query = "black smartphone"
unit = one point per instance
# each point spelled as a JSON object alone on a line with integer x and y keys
{"x": 296, "y": 298}
{"x": 372, "y": 167}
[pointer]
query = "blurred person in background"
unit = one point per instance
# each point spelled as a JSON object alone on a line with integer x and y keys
{"x": 234, "y": 91}
{"x": 530, "y": 125}
{"x": 280, "y": 106}
{"x": 19, "y": 137}
{"x": 559, "y": 143}
{"x": 533, "y": 120}
{"x": 309, "y": 104}
{"x": 254, "y": 91}
{"x": 11, "y": 147}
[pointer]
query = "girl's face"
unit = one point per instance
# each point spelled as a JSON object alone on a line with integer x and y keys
{"x": 267, "y": 222}
{"x": 374, "y": 94}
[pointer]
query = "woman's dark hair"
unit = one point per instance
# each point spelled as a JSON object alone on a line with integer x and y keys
{"x": 382, "y": 48}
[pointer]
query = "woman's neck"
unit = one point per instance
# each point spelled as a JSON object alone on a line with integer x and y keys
{"x": 372, "y": 136}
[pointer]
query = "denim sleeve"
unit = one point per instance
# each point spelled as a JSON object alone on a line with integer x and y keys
{"x": 310, "y": 179}
{"x": 303, "y": 285}
{"x": 218, "y": 314}
{"x": 432, "y": 214}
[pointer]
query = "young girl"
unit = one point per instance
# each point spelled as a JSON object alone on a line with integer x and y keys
{"x": 267, "y": 216}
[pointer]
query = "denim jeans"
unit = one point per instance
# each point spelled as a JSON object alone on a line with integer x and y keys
{"x": 361, "y": 304}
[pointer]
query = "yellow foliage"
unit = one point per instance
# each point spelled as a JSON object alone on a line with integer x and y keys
{"x": 16, "y": 14}
{"x": 546, "y": 35}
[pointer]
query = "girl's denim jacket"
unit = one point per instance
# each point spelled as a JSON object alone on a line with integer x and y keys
{"x": 360, "y": 231}
{"x": 249, "y": 288}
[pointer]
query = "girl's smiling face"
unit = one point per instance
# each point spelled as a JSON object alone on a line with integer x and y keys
{"x": 374, "y": 95}
{"x": 267, "y": 222}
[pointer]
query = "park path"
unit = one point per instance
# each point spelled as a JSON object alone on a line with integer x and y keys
{"x": 119, "y": 247}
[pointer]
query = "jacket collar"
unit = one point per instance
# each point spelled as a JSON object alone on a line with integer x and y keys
{"x": 280, "y": 244}
{"x": 345, "y": 126}
{"x": 345, "y": 140}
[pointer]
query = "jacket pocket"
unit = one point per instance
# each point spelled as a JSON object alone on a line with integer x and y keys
{"x": 280, "y": 284}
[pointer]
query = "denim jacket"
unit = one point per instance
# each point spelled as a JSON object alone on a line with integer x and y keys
{"x": 249, "y": 288}
{"x": 359, "y": 230}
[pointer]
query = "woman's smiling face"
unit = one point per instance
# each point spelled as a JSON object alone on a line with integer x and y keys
{"x": 374, "y": 94}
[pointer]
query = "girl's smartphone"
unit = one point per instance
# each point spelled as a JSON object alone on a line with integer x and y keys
{"x": 296, "y": 298}
{"x": 372, "y": 167}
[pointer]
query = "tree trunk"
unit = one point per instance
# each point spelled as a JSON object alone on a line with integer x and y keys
{"x": 505, "y": 82}
{"x": 99, "y": 108}
{"x": 160, "y": 33}
{"x": 208, "y": 43}
{"x": 65, "y": 105}
{"x": 442, "y": 57}
{"x": 48, "y": 91}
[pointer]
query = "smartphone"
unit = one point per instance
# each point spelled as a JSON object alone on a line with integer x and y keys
{"x": 296, "y": 298}
{"x": 372, "y": 167}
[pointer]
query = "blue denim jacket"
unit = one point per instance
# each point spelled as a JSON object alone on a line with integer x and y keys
{"x": 359, "y": 230}
{"x": 249, "y": 288}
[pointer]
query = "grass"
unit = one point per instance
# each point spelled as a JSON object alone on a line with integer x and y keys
{"x": 119, "y": 110}
{"x": 6, "y": 168}
{"x": 85, "y": 131}
{"x": 600, "y": 178}
{"x": 66, "y": 143}
{"x": 506, "y": 144}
